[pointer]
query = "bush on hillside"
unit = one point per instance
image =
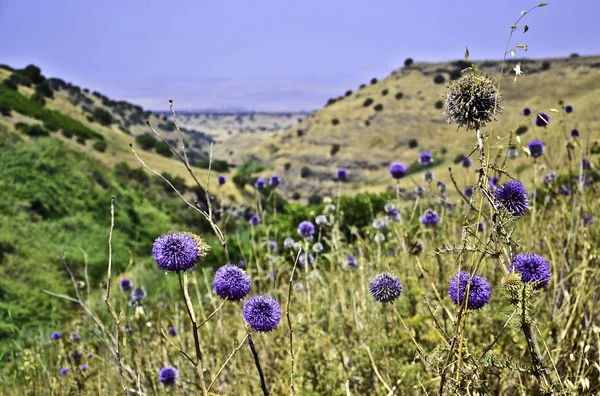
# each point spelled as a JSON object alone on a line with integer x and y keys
{"x": 439, "y": 79}
{"x": 43, "y": 88}
{"x": 408, "y": 62}
{"x": 521, "y": 129}
{"x": 4, "y": 109}
{"x": 439, "y": 104}
{"x": 368, "y": 102}
{"x": 335, "y": 121}
{"x": 10, "y": 84}
{"x": 102, "y": 116}
{"x": 334, "y": 149}
{"x": 378, "y": 107}
{"x": 305, "y": 172}
{"x": 38, "y": 98}
{"x": 146, "y": 141}
{"x": 99, "y": 145}
{"x": 412, "y": 143}
{"x": 163, "y": 149}
{"x": 399, "y": 95}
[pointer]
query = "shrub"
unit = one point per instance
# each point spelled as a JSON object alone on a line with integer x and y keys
{"x": 38, "y": 98}
{"x": 399, "y": 95}
{"x": 444, "y": 150}
{"x": 146, "y": 141}
{"x": 217, "y": 164}
{"x": 461, "y": 64}
{"x": 521, "y": 129}
{"x": 4, "y": 109}
{"x": 51, "y": 125}
{"x": 10, "y": 84}
{"x": 335, "y": 121}
{"x": 296, "y": 195}
{"x": 408, "y": 62}
{"x": 546, "y": 65}
{"x": 456, "y": 74}
{"x": 574, "y": 55}
{"x": 348, "y": 93}
{"x": 373, "y": 81}
{"x": 43, "y": 88}
{"x": 287, "y": 166}
{"x": 439, "y": 104}
{"x": 315, "y": 199}
{"x": 412, "y": 143}
{"x": 368, "y": 102}
{"x": 20, "y": 79}
{"x": 378, "y": 107}
{"x": 458, "y": 159}
{"x": 33, "y": 73}
{"x": 330, "y": 101}
{"x": 439, "y": 79}
{"x": 34, "y": 130}
{"x": 67, "y": 133}
{"x": 299, "y": 132}
{"x": 305, "y": 172}
{"x": 99, "y": 145}
{"x": 102, "y": 116}
{"x": 334, "y": 149}
{"x": 163, "y": 149}
{"x": 80, "y": 140}
{"x": 361, "y": 86}
{"x": 384, "y": 92}
{"x": 367, "y": 122}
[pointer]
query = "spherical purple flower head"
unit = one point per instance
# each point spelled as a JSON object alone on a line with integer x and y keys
{"x": 84, "y": 367}
{"x": 75, "y": 337}
{"x": 493, "y": 182}
{"x": 425, "y": 158}
{"x": 76, "y": 355}
{"x": 536, "y": 148}
{"x": 254, "y": 220}
{"x": 175, "y": 251}
{"x": 302, "y": 258}
{"x": 231, "y": 282}
{"x": 125, "y": 284}
{"x": 351, "y": 261}
{"x": 393, "y": 215}
{"x": 480, "y": 290}
{"x": 241, "y": 264}
{"x": 568, "y": 109}
{"x": 56, "y": 336}
{"x": 526, "y": 111}
{"x": 397, "y": 170}
{"x": 533, "y": 269}
{"x": 441, "y": 186}
{"x": 481, "y": 226}
{"x": 565, "y": 190}
{"x": 385, "y": 287}
{"x": 512, "y": 152}
{"x": 420, "y": 191}
{"x": 430, "y": 218}
{"x": 272, "y": 245}
{"x": 306, "y": 229}
{"x": 262, "y": 313}
{"x": 260, "y": 184}
{"x": 63, "y": 371}
{"x": 221, "y": 180}
{"x": 588, "y": 220}
{"x": 428, "y": 176}
{"x": 575, "y": 133}
{"x": 138, "y": 294}
{"x": 342, "y": 174}
{"x": 8, "y": 359}
{"x": 466, "y": 162}
{"x": 585, "y": 164}
{"x": 468, "y": 191}
{"x": 549, "y": 178}
{"x": 542, "y": 119}
{"x": 168, "y": 375}
{"x": 172, "y": 331}
{"x": 288, "y": 242}
{"x": 274, "y": 181}
{"x": 513, "y": 196}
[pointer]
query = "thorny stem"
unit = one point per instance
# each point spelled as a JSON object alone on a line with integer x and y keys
{"x": 289, "y": 320}
{"x": 498, "y": 335}
{"x": 263, "y": 385}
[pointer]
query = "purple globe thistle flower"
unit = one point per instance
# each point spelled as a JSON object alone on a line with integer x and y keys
{"x": 288, "y": 242}
{"x": 481, "y": 226}
{"x": 393, "y": 215}
{"x": 397, "y": 170}
{"x": 493, "y": 182}
{"x": 513, "y": 196}
{"x": 302, "y": 259}
{"x": 241, "y": 264}
{"x": 254, "y": 220}
{"x": 168, "y": 375}
{"x": 568, "y": 109}
{"x": 262, "y": 313}
{"x": 342, "y": 174}
{"x": 549, "y": 178}
{"x": 526, "y": 111}
{"x": 175, "y": 251}
{"x": 379, "y": 223}
{"x": 318, "y": 247}
{"x": 466, "y": 162}
{"x": 84, "y": 367}
{"x": 138, "y": 294}
{"x": 272, "y": 245}
{"x": 274, "y": 181}
{"x": 428, "y": 176}
{"x": 533, "y": 269}
{"x": 425, "y": 158}
{"x": 221, "y": 180}
{"x": 172, "y": 331}
{"x": 468, "y": 191}
{"x": 420, "y": 191}
{"x": 321, "y": 220}
{"x": 585, "y": 164}
{"x": 63, "y": 371}
{"x": 379, "y": 238}
{"x": 512, "y": 152}
{"x": 56, "y": 336}
{"x": 75, "y": 337}
{"x": 385, "y": 287}
{"x": 351, "y": 261}
{"x": 231, "y": 283}
{"x": 430, "y": 218}
{"x": 8, "y": 359}
{"x": 472, "y": 101}
{"x": 260, "y": 184}
{"x": 542, "y": 119}
{"x": 536, "y": 148}
{"x": 575, "y": 133}
{"x": 480, "y": 290}
{"x": 125, "y": 284}
{"x": 306, "y": 229}
{"x": 441, "y": 186}
{"x": 76, "y": 355}
{"x": 588, "y": 220}
{"x": 565, "y": 190}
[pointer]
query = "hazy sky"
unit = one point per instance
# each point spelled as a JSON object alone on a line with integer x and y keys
{"x": 269, "y": 54}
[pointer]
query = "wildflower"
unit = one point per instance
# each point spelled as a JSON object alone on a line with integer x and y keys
{"x": 549, "y": 178}
{"x": 241, "y": 264}
{"x": 379, "y": 238}
{"x": 329, "y": 208}
{"x": 306, "y": 229}
{"x": 262, "y": 313}
{"x": 74, "y": 337}
{"x": 63, "y": 371}
{"x": 568, "y": 109}
{"x": 260, "y": 184}
{"x": 575, "y": 133}
{"x": 466, "y": 162}
{"x": 428, "y": 176}
{"x": 481, "y": 226}
{"x": 441, "y": 186}
{"x": 425, "y": 158}
{"x": 585, "y": 163}
{"x": 430, "y": 218}
{"x": 379, "y": 223}
{"x": 351, "y": 261}
{"x": 75, "y": 355}
{"x": 397, "y": 170}
{"x": 231, "y": 282}
{"x": 389, "y": 207}
{"x": 138, "y": 294}
{"x": 272, "y": 245}
{"x": 8, "y": 359}
{"x": 472, "y": 101}
{"x": 175, "y": 251}
{"x": 342, "y": 174}
{"x": 298, "y": 286}
{"x": 393, "y": 215}
{"x": 302, "y": 259}
{"x": 533, "y": 269}
{"x": 321, "y": 220}
{"x": 479, "y": 290}
{"x": 318, "y": 247}
{"x": 493, "y": 182}
{"x": 536, "y": 148}
{"x": 512, "y": 153}
{"x": 274, "y": 181}
{"x": 565, "y": 190}
{"x": 416, "y": 247}
{"x": 513, "y": 196}
{"x": 254, "y": 220}
{"x": 526, "y": 111}
{"x": 468, "y": 191}
{"x": 168, "y": 375}
{"x": 542, "y": 119}
{"x": 221, "y": 180}
{"x": 588, "y": 220}
{"x": 385, "y": 287}
{"x": 125, "y": 284}
{"x": 84, "y": 367}
{"x": 127, "y": 327}
{"x": 56, "y": 336}
{"x": 288, "y": 242}
{"x": 420, "y": 191}
{"x": 172, "y": 331}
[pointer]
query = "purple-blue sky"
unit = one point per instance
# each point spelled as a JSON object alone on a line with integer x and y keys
{"x": 269, "y": 54}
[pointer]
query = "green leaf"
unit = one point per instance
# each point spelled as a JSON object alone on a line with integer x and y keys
{"x": 526, "y": 28}
{"x": 466, "y": 54}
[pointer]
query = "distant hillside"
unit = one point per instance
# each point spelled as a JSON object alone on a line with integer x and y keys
{"x": 366, "y": 129}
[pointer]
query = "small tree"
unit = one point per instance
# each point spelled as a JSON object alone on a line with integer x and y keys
{"x": 146, "y": 141}
{"x": 384, "y": 92}
{"x": 100, "y": 145}
{"x": 4, "y": 109}
{"x": 335, "y": 121}
{"x": 521, "y": 129}
{"x": 399, "y": 95}
{"x": 439, "y": 104}
{"x": 163, "y": 149}
{"x": 408, "y": 62}
{"x": 412, "y": 143}
{"x": 368, "y": 102}
{"x": 334, "y": 149}
{"x": 378, "y": 107}
{"x": 439, "y": 79}
{"x": 103, "y": 117}
{"x": 305, "y": 172}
